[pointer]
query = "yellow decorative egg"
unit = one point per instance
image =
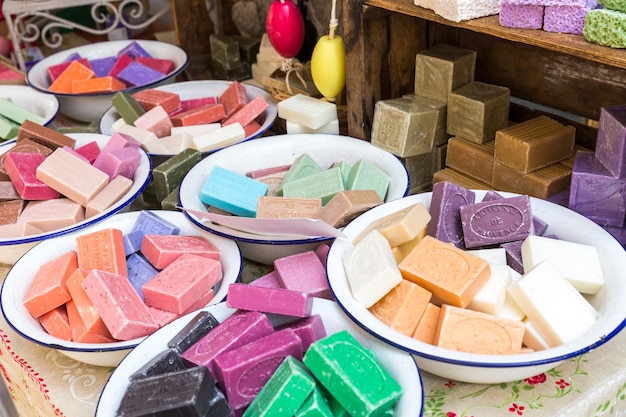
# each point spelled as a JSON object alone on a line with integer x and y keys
{"x": 328, "y": 66}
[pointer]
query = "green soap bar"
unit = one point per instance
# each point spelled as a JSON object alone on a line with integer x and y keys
{"x": 285, "y": 391}
{"x": 605, "y": 27}
{"x": 127, "y": 107}
{"x": 8, "y": 128}
{"x": 18, "y": 114}
{"x": 91, "y": 128}
{"x": 353, "y": 375}
{"x": 619, "y": 5}
{"x": 171, "y": 201}
{"x": 303, "y": 166}
{"x": 345, "y": 168}
{"x": 225, "y": 50}
{"x": 367, "y": 176}
{"x": 442, "y": 68}
{"x": 316, "y": 405}
{"x": 248, "y": 48}
{"x": 324, "y": 185}
{"x": 169, "y": 174}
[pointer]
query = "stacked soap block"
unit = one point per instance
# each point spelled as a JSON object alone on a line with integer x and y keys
{"x": 512, "y": 276}
{"x": 306, "y": 114}
{"x": 267, "y": 60}
{"x": 233, "y": 56}
{"x": 165, "y": 124}
{"x": 132, "y": 66}
{"x": 116, "y": 285}
{"x": 459, "y": 10}
{"x": 48, "y": 182}
{"x": 607, "y": 25}
{"x": 560, "y": 16}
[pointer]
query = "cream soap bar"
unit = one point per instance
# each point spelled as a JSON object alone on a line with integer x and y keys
{"x": 308, "y": 111}
{"x": 400, "y": 226}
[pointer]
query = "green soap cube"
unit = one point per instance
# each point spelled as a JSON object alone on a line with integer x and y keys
{"x": 316, "y": 405}
{"x": 352, "y": 375}
{"x": 169, "y": 174}
{"x": 18, "y": 114}
{"x": 248, "y": 48}
{"x": 367, "y": 176}
{"x": 126, "y": 105}
{"x": 171, "y": 201}
{"x": 285, "y": 391}
{"x": 324, "y": 185}
{"x": 441, "y": 69}
{"x": 225, "y": 50}
{"x": 477, "y": 110}
{"x": 8, "y": 128}
{"x": 303, "y": 166}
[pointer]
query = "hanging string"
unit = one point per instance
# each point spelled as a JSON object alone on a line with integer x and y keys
{"x": 334, "y": 23}
{"x": 288, "y": 67}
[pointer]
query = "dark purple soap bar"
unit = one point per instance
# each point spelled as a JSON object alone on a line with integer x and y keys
{"x": 513, "y": 252}
{"x": 201, "y": 324}
{"x": 167, "y": 361}
{"x": 611, "y": 140}
{"x": 134, "y": 50}
{"x": 102, "y": 66}
{"x": 136, "y": 74}
{"x": 595, "y": 193}
{"x": 539, "y": 226}
{"x": 446, "y": 201}
{"x": 490, "y": 223}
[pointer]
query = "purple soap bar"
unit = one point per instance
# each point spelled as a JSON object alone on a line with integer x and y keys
{"x": 242, "y": 372}
{"x": 495, "y": 222}
{"x": 611, "y": 139}
{"x": 198, "y": 327}
{"x": 149, "y": 222}
{"x": 134, "y": 50}
{"x": 240, "y": 328}
{"x": 269, "y": 300}
{"x": 269, "y": 280}
{"x": 524, "y": 16}
{"x": 513, "y": 252}
{"x": 561, "y": 198}
{"x": 136, "y": 74}
{"x": 132, "y": 242}
{"x": 595, "y": 193}
{"x": 164, "y": 362}
{"x": 140, "y": 271}
{"x": 567, "y": 19}
{"x": 102, "y": 66}
{"x": 303, "y": 272}
{"x": 446, "y": 202}
{"x": 309, "y": 330}
{"x": 539, "y": 226}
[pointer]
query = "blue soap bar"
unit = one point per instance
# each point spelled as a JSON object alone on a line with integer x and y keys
{"x": 198, "y": 327}
{"x": 151, "y": 224}
{"x": 164, "y": 362}
{"x": 136, "y": 74}
{"x": 132, "y": 242}
{"x": 102, "y": 66}
{"x": 134, "y": 50}
{"x": 140, "y": 271}
{"x": 232, "y": 192}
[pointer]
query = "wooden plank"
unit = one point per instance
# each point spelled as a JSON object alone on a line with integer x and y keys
{"x": 193, "y": 27}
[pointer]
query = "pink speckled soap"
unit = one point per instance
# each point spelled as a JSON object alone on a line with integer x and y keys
{"x": 161, "y": 250}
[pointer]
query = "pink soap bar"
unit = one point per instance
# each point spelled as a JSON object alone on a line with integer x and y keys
{"x": 251, "y": 128}
{"x": 22, "y": 169}
{"x": 209, "y": 113}
{"x": 253, "y": 109}
{"x": 162, "y": 250}
{"x": 122, "y": 162}
{"x": 193, "y": 103}
{"x": 234, "y": 98}
{"x": 49, "y": 215}
{"x": 322, "y": 252}
{"x": 240, "y": 328}
{"x": 303, "y": 272}
{"x": 269, "y": 300}
{"x": 116, "y": 142}
{"x": 164, "y": 66}
{"x": 269, "y": 280}
{"x": 121, "y": 309}
{"x": 180, "y": 284}
{"x": 242, "y": 372}
{"x": 155, "y": 120}
{"x": 309, "y": 330}
{"x": 122, "y": 62}
{"x": 268, "y": 171}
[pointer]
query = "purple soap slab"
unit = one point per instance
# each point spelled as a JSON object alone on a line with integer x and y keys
{"x": 240, "y": 328}
{"x": 611, "y": 139}
{"x": 567, "y": 19}
{"x": 513, "y": 252}
{"x": 269, "y": 300}
{"x": 495, "y": 222}
{"x": 102, "y": 66}
{"x": 619, "y": 233}
{"x": 303, "y": 272}
{"x": 140, "y": 271}
{"x": 269, "y": 280}
{"x": 309, "y": 330}
{"x": 133, "y": 50}
{"x": 201, "y": 324}
{"x": 166, "y": 361}
{"x": 132, "y": 242}
{"x": 523, "y": 16}
{"x": 149, "y": 222}
{"x": 136, "y": 74}
{"x": 561, "y": 198}
{"x": 539, "y": 226}
{"x": 242, "y": 372}
{"x": 595, "y": 193}
{"x": 446, "y": 202}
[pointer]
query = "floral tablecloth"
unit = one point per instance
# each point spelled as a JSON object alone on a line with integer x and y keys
{"x": 44, "y": 382}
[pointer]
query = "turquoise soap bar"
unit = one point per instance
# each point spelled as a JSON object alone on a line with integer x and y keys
{"x": 367, "y": 176}
{"x": 303, "y": 166}
{"x": 352, "y": 375}
{"x": 324, "y": 185}
{"x": 232, "y": 192}
{"x": 284, "y": 392}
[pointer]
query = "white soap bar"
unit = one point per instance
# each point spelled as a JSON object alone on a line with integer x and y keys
{"x": 154, "y": 145}
{"x": 196, "y": 130}
{"x": 490, "y": 298}
{"x": 557, "y": 310}
{"x": 220, "y": 138}
{"x": 510, "y": 309}
{"x": 577, "y": 262}
{"x": 331, "y": 128}
{"x": 308, "y": 111}
{"x": 140, "y": 135}
{"x": 116, "y": 124}
{"x": 495, "y": 256}
{"x": 458, "y": 10}
{"x": 371, "y": 269}
{"x": 178, "y": 142}
{"x": 532, "y": 338}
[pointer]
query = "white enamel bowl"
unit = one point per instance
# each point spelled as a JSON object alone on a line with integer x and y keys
{"x": 399, "y": 364}
{"x": 44, "y": 105}
{"x": 199, "y": 89}
{"x": 90, "y": 107}
{"x": 280, "y": 150}
{"x": 11, "y": 248}
{"x": 21, "y": 275}
{"x": 491, "y": 369}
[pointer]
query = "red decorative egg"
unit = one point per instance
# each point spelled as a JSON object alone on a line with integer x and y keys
{"x": 285, "y": 27}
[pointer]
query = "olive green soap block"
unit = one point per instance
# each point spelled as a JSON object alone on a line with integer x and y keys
{"x": 128, "y": 108}
{"x": 325, "y": 185}
{"x": 352, "y": 375}
{"x": 284, "y": 392}
{"x": 303, "y": 166}
{"x": 367, "y": 176}
{"x": 225, "y": 50}
{"x": 169, "y": 174}
{"x": 441, "y": 69}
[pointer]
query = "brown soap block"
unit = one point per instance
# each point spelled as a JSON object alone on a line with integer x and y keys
{"x": 44, "y": 135}
{"x": 441, "y": 69}
{"x": 441, "y": 134}
{"x": 420, "y": 169}
{"x": 441, "y": 153}
{"x": 542, "y": 183}
{"x": 472, "y": 159}
{"x": 458, "y": 178}
{"x": 288, "y": 208}
{"x": 10, "y": 211}
{"x": 405, "y": 127}
{"x": 477, "y": 110}
{"x": 348, "y": 204}
{"x": 534, "y": 144}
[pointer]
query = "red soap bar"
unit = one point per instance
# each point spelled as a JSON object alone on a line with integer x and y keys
{"x": 122, "y": 62}
{"x": 102, "y": 250}
{"x": 193, "y": 103}
{"x": 22, "y": 169}
{"x": 151, "y": 98}
{"x": 253, "y": 109}
{"x": 54, "y": 71}
{"x": 209, "y": 113}
{"x": 162, "y": 250}
{"x": 164, "y": 66}
{"x": 48, "y": 290}
{"x": 75, "y": 71}
{"x": 251, "y": 128}
{"x": 269, "y": 300}
{"x": 234, "y": 98}
{"x": 89, "y": 151}
{"x": 56, "y": 322}
{"x": 303, "y": 272}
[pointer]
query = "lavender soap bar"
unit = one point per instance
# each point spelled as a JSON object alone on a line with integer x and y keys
{"x": 447, "y": 200}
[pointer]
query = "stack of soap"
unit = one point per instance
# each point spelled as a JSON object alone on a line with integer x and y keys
{"x": 231, "y": 56}
{"x": 268, "y": 60}
{"x": 306, "y": 114}
{"x": 560, "y": 16}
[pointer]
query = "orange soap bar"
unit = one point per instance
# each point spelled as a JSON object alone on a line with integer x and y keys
{"x": 476, "y": 332}
{"x": 79, "y": 331}
{"x": 48, "y": 289}
{"x": 402, "y": 307}
{"x": 102, "y": 250}
{"x": 96, "y": 85}
{"x": 427, "y": 326}
{"x": 74, "y": 71}
{"x": 90, "y": 322}
{"x": 56, "y": 323}
{"x": 453, "y": 275}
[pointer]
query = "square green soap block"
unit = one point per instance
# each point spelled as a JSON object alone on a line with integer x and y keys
{"x": 325, "y": 185}
{"x": 169, "y": 174}
{"x": 441, "y": 69}
{"x": 128, "y": 108}
{"x": 232, "y": 192}
{"x": 367, "y": 176}
{"x": 316, "y": 404}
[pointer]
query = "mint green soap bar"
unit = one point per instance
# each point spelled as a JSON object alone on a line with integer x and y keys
{"x": 345, "y": 168}
{"x": 352, "y": 375}
{"x": 18, "y": 114}
{"x": 284, "y": 393}
{"x": 316, "y": 405}
{"x": 8, "y": 128}
{"x": 367, "y": 176}
{"x": 324, "y": 185}
{"x": 232, "y": 192}
{"x": 169, "y": 174}
{"x": 126, "y": 105}
{"x": 303, "y": 166}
